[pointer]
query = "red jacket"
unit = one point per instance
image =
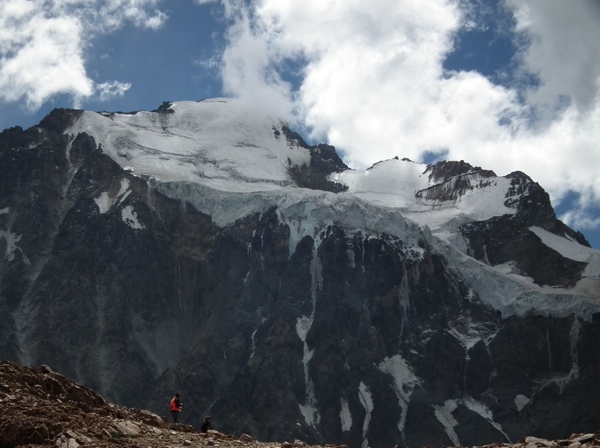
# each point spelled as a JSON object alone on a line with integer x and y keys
{"x": 175, "y": 405}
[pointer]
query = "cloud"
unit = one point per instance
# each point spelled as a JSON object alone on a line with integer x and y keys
{"x": 155, "y": 21}
{"x": 111, "y": 89}
{"x": 562, "y": 48}
{"x": 248, "y": 67}
{"x": 372, "y": 83}
{"x": 42, "y": 44}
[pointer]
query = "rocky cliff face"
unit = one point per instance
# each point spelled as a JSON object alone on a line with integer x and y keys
{"x": 290, "y": 304}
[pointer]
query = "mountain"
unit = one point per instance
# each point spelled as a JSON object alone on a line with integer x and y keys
{"x": 206, "y": 248}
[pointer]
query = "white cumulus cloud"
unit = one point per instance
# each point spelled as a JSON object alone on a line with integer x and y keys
{"x": 372, "y": 83}
{"x": 42, "y": 44}
{"x": 111, "y": 89}
{"x": 249, "y": 68}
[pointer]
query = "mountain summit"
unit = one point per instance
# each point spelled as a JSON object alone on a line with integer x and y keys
{"x": 208, "y": 249}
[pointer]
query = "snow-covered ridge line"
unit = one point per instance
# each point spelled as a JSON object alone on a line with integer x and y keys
{"x": 211, "y": 142}
{"x": 229, "y": 164}
{"x": 219, "y": 144}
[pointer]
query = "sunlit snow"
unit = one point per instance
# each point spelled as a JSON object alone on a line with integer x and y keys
{"x": 228, "y": 162}
{"x": 214, "y": 142}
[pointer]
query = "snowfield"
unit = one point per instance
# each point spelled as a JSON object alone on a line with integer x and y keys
{"x": 228, "y": 163}
{"x": 211, "y": 143}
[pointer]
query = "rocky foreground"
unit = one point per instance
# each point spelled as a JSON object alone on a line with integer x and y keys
{"x": 41, "y": 408}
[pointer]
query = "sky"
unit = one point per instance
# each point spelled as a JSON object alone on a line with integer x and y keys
{"x": 508, "y": 85}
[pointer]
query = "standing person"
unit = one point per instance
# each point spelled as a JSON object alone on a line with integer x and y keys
{"x": 175, "y": 407}
{"x": 206, "y": 425}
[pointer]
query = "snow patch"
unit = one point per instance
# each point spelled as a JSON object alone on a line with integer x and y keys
{"x": 253, "y": 344}
{"x": 4, "y": 211}
{"x": 303, "y": 325}
{"x": 123, "y": 191}
{"x": 485, "y": 412}
{"x": 404, "y": 383}
{"x": 521, "y": 401}
{"x": 129, "y": 217}
{"x": 366, "y": 400}
{"x": 572, "y": 250}
{"x": 445, "y": 417}
{"x": 105, "y": 201}
{"x": 345, "y": 415}
{"x": 469, "y": 333}
{"x": 566, "y": 247}
{"x": 11, "y": 244}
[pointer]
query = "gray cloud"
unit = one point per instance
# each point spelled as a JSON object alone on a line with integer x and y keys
{"x": 563, "y": 49}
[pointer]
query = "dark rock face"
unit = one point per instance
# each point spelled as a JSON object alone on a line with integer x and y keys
{"x": 507, "y": 238}
{"x": 444, "y": 171}
{"x": 324, "y": 160}
{"x": 453, "y": 179}
{"x": 352, "y": 337}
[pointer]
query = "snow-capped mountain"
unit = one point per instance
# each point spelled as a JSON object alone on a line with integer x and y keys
{"x": 207, "y": 248}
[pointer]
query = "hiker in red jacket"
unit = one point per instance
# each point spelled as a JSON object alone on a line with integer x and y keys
{"x": 175, "y": 407}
